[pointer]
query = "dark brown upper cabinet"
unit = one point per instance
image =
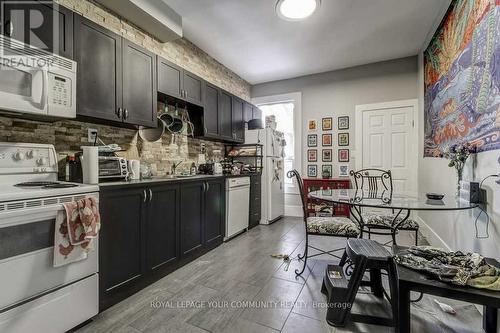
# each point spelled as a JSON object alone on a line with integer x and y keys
{"x": 193, "y": 88}
{"x": 248, "y": 112}
{"x": 225, "y": 115}
{"x": 99, "y": 76}
{"x": 256, "y": 113}
{"x": 177, "y": 82}
{"x": 238, "y": 122}
{"x": 211, "y": 112}
{"x": 116, "y": 79}
{"x": 139, "y": 85}
{"x": 52, "y": 32}
{"x": 169, "y": 78}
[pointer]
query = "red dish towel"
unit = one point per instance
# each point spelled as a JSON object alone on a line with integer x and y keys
{"x": 76, "y": 228}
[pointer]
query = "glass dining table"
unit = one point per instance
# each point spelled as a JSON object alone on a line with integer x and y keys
{"x": 400, "y": 204}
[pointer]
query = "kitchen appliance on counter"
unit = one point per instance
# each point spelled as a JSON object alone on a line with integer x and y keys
{"x": 237, "y": 206}
{"x": 36, "y": 82}
{"x": 35, "y": 296}
{"x": 273, "y": 188}
{"x": 110, "y": 168}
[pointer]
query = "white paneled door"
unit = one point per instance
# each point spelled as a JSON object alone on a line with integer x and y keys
{"x": 389, "y": 141}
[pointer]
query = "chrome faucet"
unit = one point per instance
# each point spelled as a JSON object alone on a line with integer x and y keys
{"x": 175, "y": 165}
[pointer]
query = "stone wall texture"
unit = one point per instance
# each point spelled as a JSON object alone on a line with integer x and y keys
{"x": 69, "y": 135}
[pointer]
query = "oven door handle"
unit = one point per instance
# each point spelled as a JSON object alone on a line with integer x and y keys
{"x": 30, "y": 215}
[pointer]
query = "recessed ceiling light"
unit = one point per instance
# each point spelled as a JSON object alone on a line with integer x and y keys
{"x": 296, "y": 10}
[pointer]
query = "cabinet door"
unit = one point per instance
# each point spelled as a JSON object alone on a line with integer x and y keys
{"x": 41, "y": 24}
{"x": 162, "y": 226}
{"x": 225, "y": 115}
{"x": 248, "y": 112}
{"x": 193, "y": 88}
{"x": 139, "y": 85}
{"x": 99, "y": 76}
{"x": 121, "y": 238}
{"x": 211, "y": 111}
{"x": 214, "y": 212}
{"x": 191, "y": 217}
{"x": 169, "y": 78}
{"x": 238, "y": 124}
{"x": 257, "y": 113}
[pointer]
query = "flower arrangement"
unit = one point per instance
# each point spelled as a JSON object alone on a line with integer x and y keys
{"x": 458, "y": 155}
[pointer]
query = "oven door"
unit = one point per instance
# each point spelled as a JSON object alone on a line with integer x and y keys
{"x": 26, "y": 256}
{"x": 23, "y": 87}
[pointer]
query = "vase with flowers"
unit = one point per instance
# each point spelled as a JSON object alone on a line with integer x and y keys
{"x": 458, "y": 155}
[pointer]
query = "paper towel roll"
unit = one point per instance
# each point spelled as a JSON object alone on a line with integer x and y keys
{"x": 90, "y": 165}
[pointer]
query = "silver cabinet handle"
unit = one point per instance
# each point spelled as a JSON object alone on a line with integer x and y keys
{"x": 145, "y": 195}
{"x": 150, "y": 195}
{"x": 208, "y": 186}
{"x": 119, "y": 113}
{"x": 125, "y": 114}
{"x": 9, "y": 28}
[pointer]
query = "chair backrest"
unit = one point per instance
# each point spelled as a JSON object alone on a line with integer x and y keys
{"x": 295, "y": 173}
{"x": 372, "y": 180}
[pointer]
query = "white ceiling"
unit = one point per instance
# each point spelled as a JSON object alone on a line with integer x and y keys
{"x": 248, "y": 37}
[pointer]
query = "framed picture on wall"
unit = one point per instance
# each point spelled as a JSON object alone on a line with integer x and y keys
{"x": 312, "y": 140}
{"x": 327, "y": 155}
{"x": 311, "y": 125}
{"x": 343, "y": 139}
{"x": 326, "y": 124}
{"x": 343, "y": 170}
{"x": 343, "y": 123}
{"x": 312, "y": 171}
{"x": 312, "y": 155}
{"x": 343, "y": 155}
{"x": 326, "y": 140}
{"x": 326, "y": 171}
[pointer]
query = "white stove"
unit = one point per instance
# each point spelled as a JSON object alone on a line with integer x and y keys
{"x": 33, "y": 291}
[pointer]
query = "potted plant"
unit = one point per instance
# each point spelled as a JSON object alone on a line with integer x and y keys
{"x": 458, "y": 155}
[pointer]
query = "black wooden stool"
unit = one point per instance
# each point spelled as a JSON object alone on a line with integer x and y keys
{"x": 365, "y": 254}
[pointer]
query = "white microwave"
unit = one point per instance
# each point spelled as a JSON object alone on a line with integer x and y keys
{"x": 36, "y": 82}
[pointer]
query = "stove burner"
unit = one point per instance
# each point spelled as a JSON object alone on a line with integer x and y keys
{"x": 60, "y": 185}
{"x": 36, "y": 184}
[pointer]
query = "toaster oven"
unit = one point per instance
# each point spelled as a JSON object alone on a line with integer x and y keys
{"x": 111, "y": 167}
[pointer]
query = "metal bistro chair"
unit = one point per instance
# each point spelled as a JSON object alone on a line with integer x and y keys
{"x": 333, "y": 226}
{"x": 377, "y": 184}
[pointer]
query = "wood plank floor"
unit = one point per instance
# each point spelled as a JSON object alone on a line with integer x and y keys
{"x": 239, "y": 288}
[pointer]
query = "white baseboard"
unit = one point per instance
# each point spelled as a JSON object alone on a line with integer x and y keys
{"x": 294, "y": 211}
{"x": 431, "y": 236}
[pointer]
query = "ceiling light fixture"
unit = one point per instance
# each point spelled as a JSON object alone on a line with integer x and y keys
{"x": 296, "y": 10}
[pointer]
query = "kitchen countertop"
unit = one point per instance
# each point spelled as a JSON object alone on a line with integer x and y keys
{"x": 166, "y": 179}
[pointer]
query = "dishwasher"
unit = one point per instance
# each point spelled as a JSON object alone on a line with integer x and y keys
{"x": 237, "y": 206}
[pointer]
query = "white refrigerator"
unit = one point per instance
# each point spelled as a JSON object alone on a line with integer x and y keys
{"x": 273, "y": 184}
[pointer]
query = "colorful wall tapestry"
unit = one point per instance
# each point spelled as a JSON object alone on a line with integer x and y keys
{"x": 462, "y": 78}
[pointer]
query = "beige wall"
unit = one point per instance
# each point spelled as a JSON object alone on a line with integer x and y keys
{"x": 336, "y": 93}
{"x": 68, "y": 136}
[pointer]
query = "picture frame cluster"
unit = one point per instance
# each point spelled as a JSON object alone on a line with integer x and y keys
{"x": 323, "y": 149}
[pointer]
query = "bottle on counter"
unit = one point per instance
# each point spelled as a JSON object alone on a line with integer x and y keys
{"x": 70, "y": 168}
{"x": 193, "y": 169}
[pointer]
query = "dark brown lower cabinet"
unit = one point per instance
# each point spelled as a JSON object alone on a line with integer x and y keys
{"x": 121, "y": 239}
{"x": 215, "y": 209}
{"x": 192, "y": 202}
{"x": 162, "y": 225}
{"x": 149, "y": 231}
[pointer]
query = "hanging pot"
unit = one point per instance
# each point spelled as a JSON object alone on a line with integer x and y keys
{"x": 152, "y": 134}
